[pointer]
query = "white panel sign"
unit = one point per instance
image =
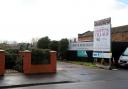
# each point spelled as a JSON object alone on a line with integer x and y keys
{"x": 102, "y": 35}
{"x": 81, "y": 46}
{"x": 102, "y": 55}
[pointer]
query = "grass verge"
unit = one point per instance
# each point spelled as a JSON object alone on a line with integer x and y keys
{"x": 88, "y": 64}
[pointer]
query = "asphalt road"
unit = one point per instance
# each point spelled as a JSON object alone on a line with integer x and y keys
{"x": 87, "y": 78}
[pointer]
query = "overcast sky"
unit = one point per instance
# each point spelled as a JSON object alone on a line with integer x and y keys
{"x": 22, "y": 20}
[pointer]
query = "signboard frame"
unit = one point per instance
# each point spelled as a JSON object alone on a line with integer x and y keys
{"x": 102, "y": 35}
{"x": 102, "y": 42}
{"x": 88, "y": 46}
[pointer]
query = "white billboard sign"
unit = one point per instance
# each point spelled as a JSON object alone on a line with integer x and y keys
{"x": 81, "y": 46}
{"x": 102, "y": 35}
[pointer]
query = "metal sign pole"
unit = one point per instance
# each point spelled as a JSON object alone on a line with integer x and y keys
{"x": 110, "y": 45}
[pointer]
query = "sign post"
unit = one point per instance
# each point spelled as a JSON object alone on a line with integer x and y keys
{"x": 102, "y": 40}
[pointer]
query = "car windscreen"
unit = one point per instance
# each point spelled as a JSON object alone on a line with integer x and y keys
{"x": 126, "y": 52}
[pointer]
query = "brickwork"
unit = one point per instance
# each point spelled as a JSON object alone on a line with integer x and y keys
{"x": 125, "y": 36}
{"x": 85, "y": 38}
{"x": 2, "y": 62}
{"x": 118, "y": 34}
{"x": 117, "y": 37}
{"x": 120, "y": 37}
{"x": 26, "y": 61}
{"x": 28, "y": 68}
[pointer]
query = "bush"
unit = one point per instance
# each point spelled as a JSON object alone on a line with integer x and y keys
{"x": 40, "y": 56}
{"x": 13, "y": 60}
{"x": 10, "y": 58}
{"x": 63, "y": 47}
{"x": 19, "y": 64}
{"x": 12, "y": 51}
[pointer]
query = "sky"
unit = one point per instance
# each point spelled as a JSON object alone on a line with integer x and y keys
{"x": 22, "y": 20}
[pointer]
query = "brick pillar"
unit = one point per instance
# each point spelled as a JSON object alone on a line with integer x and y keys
{"x": 53, "y": 60}
{"x": 26, "y": 61}
{"x": 2, "y": 62}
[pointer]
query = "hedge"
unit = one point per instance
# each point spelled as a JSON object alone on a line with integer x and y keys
{"x": 40, "y": 56}
{"x": 10, "y": 58}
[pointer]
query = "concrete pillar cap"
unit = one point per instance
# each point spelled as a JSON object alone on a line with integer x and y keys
{"x": 25, "y": 51}
{"x": 52, "y": 51}
{"x": 1, "y": 50}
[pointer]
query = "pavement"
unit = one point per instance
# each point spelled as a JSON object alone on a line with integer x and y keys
{"x": 83, "y": 85}
{"x": 69, "y": 74}
{"x": 11, "y": 80}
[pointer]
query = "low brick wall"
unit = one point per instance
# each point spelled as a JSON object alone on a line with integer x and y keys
{"x": 28, "y": 68}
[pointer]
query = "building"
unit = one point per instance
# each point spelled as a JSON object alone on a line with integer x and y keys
{"x": 118, "y": 34}
{"x": 87, "y": 36}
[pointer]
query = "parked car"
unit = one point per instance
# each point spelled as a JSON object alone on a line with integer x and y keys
{"x": 123, "y": 60}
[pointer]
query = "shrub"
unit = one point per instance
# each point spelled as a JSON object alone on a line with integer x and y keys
{"x": 40, "y": 56}
{"x": 12, "y": 51}
{"x": 13, "y": 60}
{"x": 63, "y": 47}
{"x": 10, "y": 58}
{"x": 19, "y": 64}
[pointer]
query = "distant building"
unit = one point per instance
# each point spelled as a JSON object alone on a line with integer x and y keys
{"x": 86, "y": 36}
{"x": 118, "y": 34}
{"x": 73, "y": 40}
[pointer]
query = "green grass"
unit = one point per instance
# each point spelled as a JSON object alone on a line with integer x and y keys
{"x": 88, "y": 64}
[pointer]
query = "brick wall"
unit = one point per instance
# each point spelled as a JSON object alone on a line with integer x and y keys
{"x": 28, "y": 68}
{"x": 120, "y": 37}
{"x": 115, "y": 37}
{"x": 85, "y": 38}
{"x": 125, "y": 35}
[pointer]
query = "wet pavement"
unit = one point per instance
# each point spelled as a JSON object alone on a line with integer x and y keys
{"x": 69, "y": 76}
{"x": 122, "y": 84}
{"x": 85, "y": 74}
{"x": 19, "y": 80}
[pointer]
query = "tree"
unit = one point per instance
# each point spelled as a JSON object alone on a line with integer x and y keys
{"x": 24, "y": 46}
{"x": 43, "y": 42}
{"x": 34, "y": 42}
{"x": 4, "y": 46}
{"x": 54, "y": 45}
{"x": 63, "y": 47}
